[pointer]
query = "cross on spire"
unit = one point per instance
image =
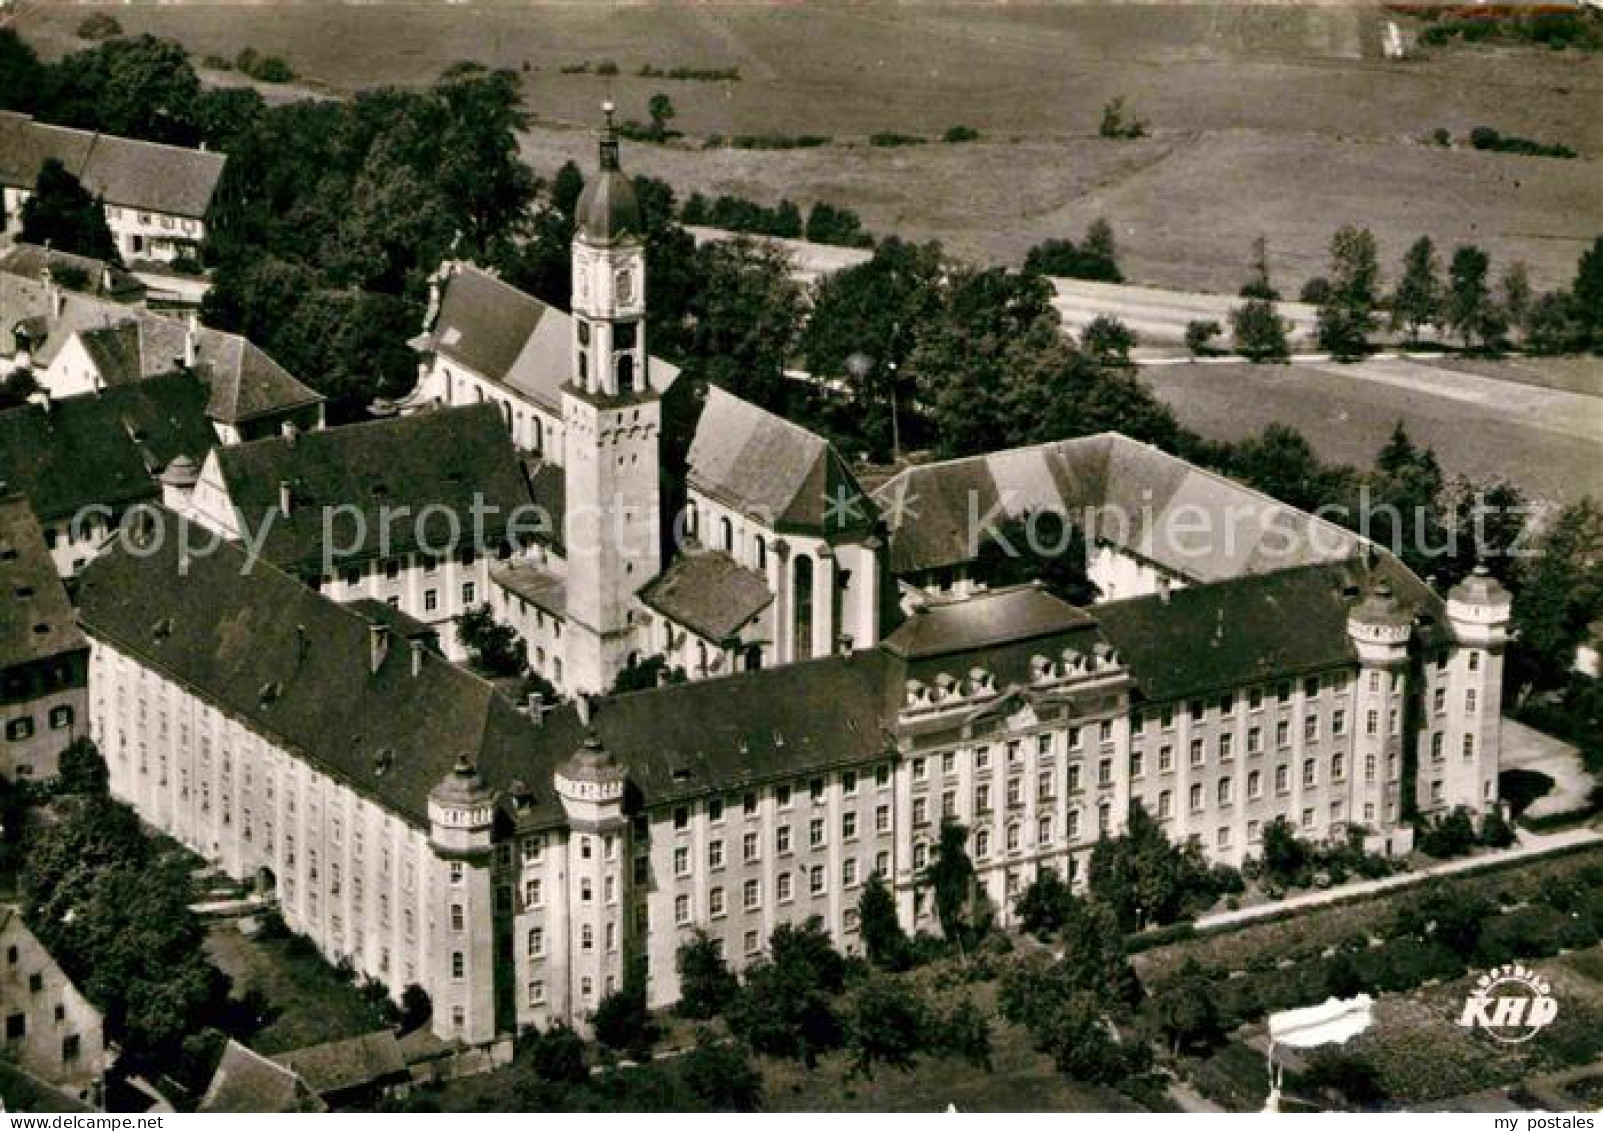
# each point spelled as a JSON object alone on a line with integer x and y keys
{"x": 609, "y": 141}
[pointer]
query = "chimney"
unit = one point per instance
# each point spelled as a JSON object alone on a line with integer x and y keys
{"x": 286, "y": 498}
{"x": 105, "y": 279}
{"x": 290, "y": 432}
{"x": 191, "y": 340}
{"x": 378, "y": 646}
{"x": 582, "y": 704}
{"x": 1163, "y": 590}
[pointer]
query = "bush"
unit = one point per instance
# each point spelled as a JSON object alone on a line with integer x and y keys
{"x": 558, "y": 1056}
{"x": 840, "y": 227}
{"x": 1200, "y": 333}
{"x": 720, "y": 1075}
{"x": 958, "y": 134}
{"x": 779, "y": 141}
{"x": 889, "y": 139}
{"x": 263, "y": 68}
{"x": 1114, "y": 124}
{"x": 623, "y": 1022}
{"x": 1315, "y": 292}
{"x": 99, "y": 25}
{"x": 1447, "y": 835}
{"x": 1484, "y": 137}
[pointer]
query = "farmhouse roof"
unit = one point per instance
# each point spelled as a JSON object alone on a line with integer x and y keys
{"x": 102, "y": 447}
{"x": 29, "y": 261}
{"x": 124, "y": 171}
{"x": 247, "y": 1081}
{"x": 36, "y": 618}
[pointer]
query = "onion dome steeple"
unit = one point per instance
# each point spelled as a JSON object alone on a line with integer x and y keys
{"x": 608, "y": 212}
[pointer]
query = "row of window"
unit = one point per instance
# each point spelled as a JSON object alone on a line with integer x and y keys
{"x": 784, "y": 797}
{"x": 21, "y": 729}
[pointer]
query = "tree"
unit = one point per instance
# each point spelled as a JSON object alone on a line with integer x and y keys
{"x": 660, "y": 110}
{"x": 1471, "y": 310}
{"x": 115, "y": 912}
{"x": 950, "y": 875}
{"x": 140, "y": 87}
{"x": 558, "y": 1056}
{"x": 1448, "y": 834}
{"x": 1281, "y": 462}
{"x": 706, "y": 985}
{"x": 1186, "y": 1011}
{"x": 1559, "y": 595}
{"x": 416, "y": 1008}
{"x": 24, "y": 80}
{"x": 1418, "y": 301}
{"x": 1286, "y": 857}
{"x": 1114, "y": 124}
{"x": 1347, "y": 316}
{"x": 1043, "y": 546}
{"x": 1200, "y": 333}
{"x": 1095, "y": 958}
{"x": 99, "y": 25}
{"x": 720, "y": 1075}
{"x": 746, "y": 312}
{"x": 888, "y": 1023}
{"x": 81, "y": 769}
{"x": 62, "y": 214}
{"x": 1107, "y": 342}
{"x": 1082, "y": 1045}
{"x": 884, "y": 941}
{"x": 1259, "y": 332}
{"x": 1100, "y": 253}
{"x": 1586, "y": 293}
{"x": 1096, "y": 258}
{"x": 643, "y": 675}
{"x": 1045, "y": 904}
{"x": 786, "y": 1005}
{"x": 623, "y": 1022}
{"x": 494, "y": 648}
{"x": 1514, "y": 292}
{"x": 1550, "y": 325}
{"x": 1142, "y": 877}
{"x": 1258, "y": 284}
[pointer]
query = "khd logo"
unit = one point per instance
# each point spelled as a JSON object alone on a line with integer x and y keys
{"x": 1512, "y": 1004}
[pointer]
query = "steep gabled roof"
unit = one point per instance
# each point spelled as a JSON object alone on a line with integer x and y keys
{"x": 1129, "y": 494}
{"x": 126, "y": 172}
{"x": 298, "y": 669}
{"x": 446, "y": 459}
{"x": 245, "y": 382}
{"x": 246, "y": 1081}
{"x": 762, "y": 465}
{"x": 36, "y": 619}
{"x": 512, "y": 338}
{"x": 102, "y": 447}
{"x": 709, "y": 593}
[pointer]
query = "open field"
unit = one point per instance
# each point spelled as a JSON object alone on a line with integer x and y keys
{"x": 1548, "y": 441}
{"x": 1278, "y": 120}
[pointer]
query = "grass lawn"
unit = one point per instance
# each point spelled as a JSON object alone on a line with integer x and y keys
{"x": 1281, "y": 120}
{"x": 309, "y": 1003}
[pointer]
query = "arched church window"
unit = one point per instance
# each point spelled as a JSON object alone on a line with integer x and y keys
{"x": 624, "y": 285}
{"x": 537, "y": 434}
{"x": 802, "y": 588}
{"x": 626, "y": 375}
{"x": 692, "y": 520}
{"x": 726, "y": 535}
{"x": 762, "y": 552}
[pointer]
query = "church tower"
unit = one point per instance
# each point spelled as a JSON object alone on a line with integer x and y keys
{"x": 613, "y": 426}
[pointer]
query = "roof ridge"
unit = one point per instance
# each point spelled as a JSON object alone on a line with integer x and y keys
{"x": 95, "y": 136}
{"x": 823, "y": 443}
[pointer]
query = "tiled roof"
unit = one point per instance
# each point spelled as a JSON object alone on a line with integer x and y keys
{"x": 102, "y": 447}
{"x": 688, "y": 738}
{"x": 370, "y": 1059}
{"x": 36, "y": 619}
{"x": 999, "y": 631}
{"x": 1258, "y": 627}
{"x": 540, "y": 587}
{"x": 28, "y": 261}
{"x": 245, "y": 383}
{"x": 513, "y": 338}
{"x": 762, "y": 465}
{"x": 246, "y": 1081}
{"x": 548, "y": 486}
{"x": 446, "y": 459}
{"x": 126, "y": 172}
{"x": 709, "y": 593}
{"x": 1129, "y": 494}
{"x": 298, "y": 669}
